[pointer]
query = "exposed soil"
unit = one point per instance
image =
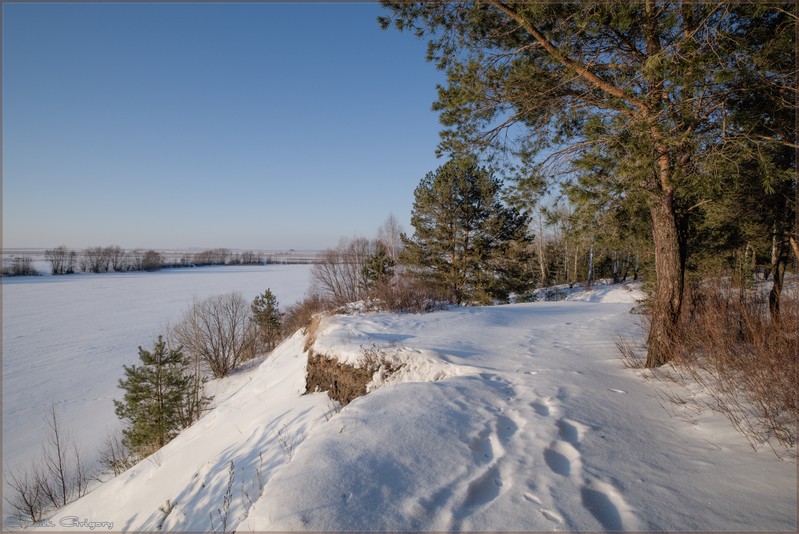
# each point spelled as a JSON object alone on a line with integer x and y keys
{"x": 342, "y": 382}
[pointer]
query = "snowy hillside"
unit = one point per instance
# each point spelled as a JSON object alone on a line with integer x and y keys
{"x": 66, "y": 338}
{"x": 515, "y": 417}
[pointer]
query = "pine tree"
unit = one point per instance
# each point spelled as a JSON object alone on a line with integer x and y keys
{"x": 157, "y": 395}
{"x": 466, "y": 242}
{"x": 266, "y": 314}
{"x": 379, "y": 267}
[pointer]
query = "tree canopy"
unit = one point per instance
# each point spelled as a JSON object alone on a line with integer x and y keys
{"x": 639, "y": 103}
{"x": 466, "y": 241}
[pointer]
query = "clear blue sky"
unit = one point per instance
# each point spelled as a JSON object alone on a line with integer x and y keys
{"x": 267, "y": 126}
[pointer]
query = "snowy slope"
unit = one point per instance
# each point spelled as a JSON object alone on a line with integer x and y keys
{"x": 66, "y": 338}
{"x": 512, "y": 417}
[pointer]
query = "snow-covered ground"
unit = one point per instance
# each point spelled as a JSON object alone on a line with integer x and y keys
{"x": 515, "y": 417}
{"x": 65, "y": 339}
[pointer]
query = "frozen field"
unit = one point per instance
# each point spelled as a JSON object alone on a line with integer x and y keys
{"x": 66, "y": 338}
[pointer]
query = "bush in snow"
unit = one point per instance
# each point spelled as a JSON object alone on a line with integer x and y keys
{"x": 301, "y": 314}
{"x": 20, "y": 266}
{"x": 219, "y": 333}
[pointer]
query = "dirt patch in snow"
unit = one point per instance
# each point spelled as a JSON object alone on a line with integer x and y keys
{"x": 341, "y": 381}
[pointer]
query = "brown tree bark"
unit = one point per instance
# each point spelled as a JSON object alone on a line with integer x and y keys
{"x": 669, "y": 273}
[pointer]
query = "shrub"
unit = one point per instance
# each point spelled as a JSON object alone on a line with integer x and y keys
{"x": 301, "y": 314}
{"x": 115, "y": 457}
{"x": 20, "y": 266}
{"x": 219, "y": 332}
{"x": 408, "y": 294}
{"x": 743, "y": 361}
{"x": 341, "y": 273}
{"x": 62, "y": 261}
{"x": 57, "y": 477}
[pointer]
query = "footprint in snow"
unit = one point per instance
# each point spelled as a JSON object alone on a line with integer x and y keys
{"x": 562, "y": 458}
{"x": 531, "y": 498}
{"x": 540, "y": 408}
{"x": 608, "y": 506}
{"x": 552, "y": 516}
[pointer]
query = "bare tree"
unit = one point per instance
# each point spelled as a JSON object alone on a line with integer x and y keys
{"x": 215, "y": 256}
{"x": 117, "y": 258}
{"x": 95, "y": 260}
{"x": 25, "y": 497}
{"x": 62, "y": 261}
{"x": 219, "y": 332}
{"x": 390, "y": 235}
{"x": 135, "y": 259}
{"x": 20, "y": 266}
{"x": 152, "y": 261}
{"x": 58, "y": 477}
{"x": 65, "y": 477}
{"x": 339, "y": 273}
{"x": 115, "y": 457}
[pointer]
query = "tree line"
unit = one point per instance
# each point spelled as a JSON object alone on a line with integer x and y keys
{"x": 116, "y": 259}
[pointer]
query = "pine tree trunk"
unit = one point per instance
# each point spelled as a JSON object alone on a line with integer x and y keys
{"x": 669, "y": 280}
{"x": 778, "y": 275}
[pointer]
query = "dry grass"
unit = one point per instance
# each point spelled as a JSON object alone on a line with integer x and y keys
{"x": 301, "y": 314}
{"x": 407, "y": 294}
{"x": 742, "y": 361}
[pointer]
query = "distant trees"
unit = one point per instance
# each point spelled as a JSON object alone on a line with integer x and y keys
{"x": 152, "y": 261}
{"x": 20, "y": 266}
{"x": 466, "y": 241}
{"x": 114, "y": 258}
{"x": 216, "y": 256}
{"x": 96, "y": 259}
{"x": 102, "y": 260}
{"x": 62, "y": 260}
{"x": 160, "y": 398}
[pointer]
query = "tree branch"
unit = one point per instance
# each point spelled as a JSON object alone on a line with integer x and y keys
{"x": 581, "y": 70}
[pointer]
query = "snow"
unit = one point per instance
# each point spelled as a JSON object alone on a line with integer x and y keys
{"x": 65, "y": 339}
{"x": 516, "y": 417}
